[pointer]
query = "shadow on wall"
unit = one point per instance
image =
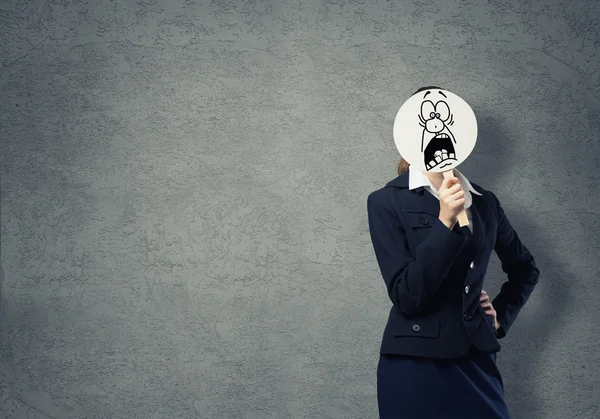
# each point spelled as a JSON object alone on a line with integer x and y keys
{"x": 493, "y": 160}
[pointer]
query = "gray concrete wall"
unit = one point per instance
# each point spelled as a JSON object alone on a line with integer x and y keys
{"x": 184, "y": 186}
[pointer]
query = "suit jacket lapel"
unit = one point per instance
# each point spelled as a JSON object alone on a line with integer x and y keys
{"x": 429, "y": 203}
{"x": 477, "y": 208}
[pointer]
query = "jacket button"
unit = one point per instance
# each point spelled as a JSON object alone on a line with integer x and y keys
{"x": 472, "y": 265}
{"x": 467, "y": 289}
{"x": 467, "y": 317}
{"x": 416, "y": 328}
{"x": 424, "y": 221}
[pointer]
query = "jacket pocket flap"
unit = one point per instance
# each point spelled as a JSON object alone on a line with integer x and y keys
{"x": 424, "y": 327}
{"x": 419, "y": 219}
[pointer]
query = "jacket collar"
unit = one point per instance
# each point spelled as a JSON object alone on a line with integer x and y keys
{"x": 430, "y": 204}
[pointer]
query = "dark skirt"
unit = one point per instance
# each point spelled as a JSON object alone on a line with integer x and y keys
{"x": 469, "y": 387}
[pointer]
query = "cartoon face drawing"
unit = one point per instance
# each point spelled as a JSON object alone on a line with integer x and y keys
{"x": 437, "y": 141}
{"x": 435, "y": 130}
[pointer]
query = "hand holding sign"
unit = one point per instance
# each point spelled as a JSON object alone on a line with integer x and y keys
{"x": 434, "y": 131}
{"x": 452, "y": 201}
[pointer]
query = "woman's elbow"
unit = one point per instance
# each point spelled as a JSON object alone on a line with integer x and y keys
{"x": 405, "y": 301}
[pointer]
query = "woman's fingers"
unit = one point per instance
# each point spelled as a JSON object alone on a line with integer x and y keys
{"x": 485, "y": 302}
{"x": 458, "y": 194}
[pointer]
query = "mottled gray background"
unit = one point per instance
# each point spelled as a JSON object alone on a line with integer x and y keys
{"x": 184, "y": 186}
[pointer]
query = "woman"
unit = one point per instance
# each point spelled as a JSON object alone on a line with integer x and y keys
{"x": 438, "y": 352}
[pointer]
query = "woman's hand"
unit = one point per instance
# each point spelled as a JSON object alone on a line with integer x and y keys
{"x": 484, "y": 301}
{"x": 452, "y": 200}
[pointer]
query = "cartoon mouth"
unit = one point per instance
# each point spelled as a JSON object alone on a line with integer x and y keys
{"x": 439, "y": 152}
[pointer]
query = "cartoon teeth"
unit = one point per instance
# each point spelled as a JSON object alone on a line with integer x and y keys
{"x": 442, "y": 135}
{"x": 442, "y": 154}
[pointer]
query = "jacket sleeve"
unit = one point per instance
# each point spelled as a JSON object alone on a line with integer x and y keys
{"x": 410, "y": 280}
{"x": 520, "y": 268}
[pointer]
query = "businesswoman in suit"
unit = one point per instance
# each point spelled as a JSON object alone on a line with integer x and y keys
{"x": 438, "y": 351}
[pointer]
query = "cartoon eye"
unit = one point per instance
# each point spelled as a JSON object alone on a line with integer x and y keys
{"x": 437, "y": 115}
{"x": 427, "y": 110}
{"x": 442, "y": 110}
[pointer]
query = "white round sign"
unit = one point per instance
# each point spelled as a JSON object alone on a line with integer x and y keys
{"x": 435, "y": 130}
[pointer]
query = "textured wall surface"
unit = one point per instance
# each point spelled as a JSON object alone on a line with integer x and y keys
{"x": 183, "y": 198}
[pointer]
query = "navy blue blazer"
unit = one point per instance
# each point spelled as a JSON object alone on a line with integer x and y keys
{"x": 434, "y": 279}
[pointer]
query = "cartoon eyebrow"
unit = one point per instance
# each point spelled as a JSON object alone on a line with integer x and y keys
{"x": 426, "y": 94}
{"x": 443, "y": 95}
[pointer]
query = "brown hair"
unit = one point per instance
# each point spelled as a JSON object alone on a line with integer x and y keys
{"x": 403, "y": 164}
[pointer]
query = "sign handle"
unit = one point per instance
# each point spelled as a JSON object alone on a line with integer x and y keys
{"x": 462, "y": 218}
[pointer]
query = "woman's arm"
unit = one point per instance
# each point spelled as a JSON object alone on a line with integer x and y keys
{"x": 410, "y": 280}
{"x": 519, "y": 265}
